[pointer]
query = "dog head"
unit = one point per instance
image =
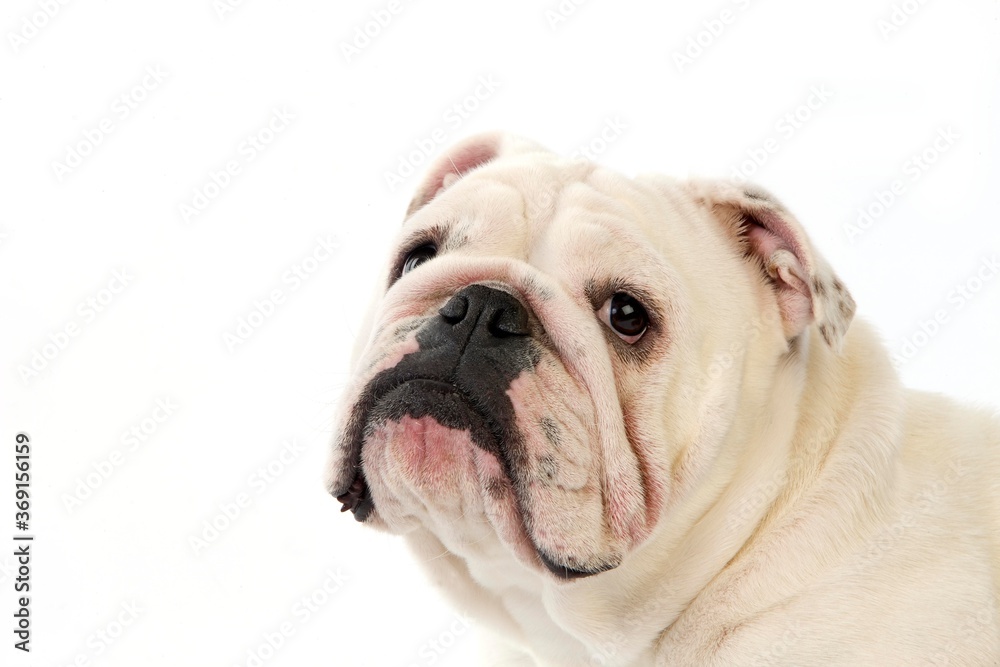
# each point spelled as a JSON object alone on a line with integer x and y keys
{"x": 558, "y": 352}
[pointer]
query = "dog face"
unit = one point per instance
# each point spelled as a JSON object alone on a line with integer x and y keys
{"x": 558, "y": 353}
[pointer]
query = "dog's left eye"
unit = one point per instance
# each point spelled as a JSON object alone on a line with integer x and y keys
{"x": 626, "y": 316}
{"x": 418, "y": 256}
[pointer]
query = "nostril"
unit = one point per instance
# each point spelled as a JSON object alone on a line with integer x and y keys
{"x": 478, "y": 310}
{"x": 454, "y": 311}
{"x": 509, "y": 322}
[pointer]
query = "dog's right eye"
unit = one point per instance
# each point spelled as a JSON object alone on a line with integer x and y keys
{"x": 418, "y": 256}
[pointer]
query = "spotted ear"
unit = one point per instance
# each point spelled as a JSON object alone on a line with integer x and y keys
{"x": 805, "y": 286}
{"x": 463, "y": 157}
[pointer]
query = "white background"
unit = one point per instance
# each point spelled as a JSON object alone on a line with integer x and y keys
{"x": 889, "y": 91}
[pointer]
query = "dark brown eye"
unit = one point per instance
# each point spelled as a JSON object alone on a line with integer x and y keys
{"x": 626, "y": 316}
{"x": 418, "y": 256}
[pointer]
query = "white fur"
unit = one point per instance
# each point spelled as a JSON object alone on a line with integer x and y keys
{"x": 811, "y": 510}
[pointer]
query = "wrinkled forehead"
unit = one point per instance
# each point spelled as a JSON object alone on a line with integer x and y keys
{"x": 541, "y": 211}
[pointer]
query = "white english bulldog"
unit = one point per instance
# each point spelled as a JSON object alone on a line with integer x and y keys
{"x": 629, "y": 422}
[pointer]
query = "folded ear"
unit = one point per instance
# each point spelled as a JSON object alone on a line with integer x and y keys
{"x": 804, "y": 284}
{"x": 463, "y": 157}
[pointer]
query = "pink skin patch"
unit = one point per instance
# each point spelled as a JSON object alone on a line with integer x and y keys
{"x": 786, "y": 260}
{"x": 417, "y": 468}
{"x": 424, "y": 474}
{"x": 408, "y": 346}
{"x": 428, "y": 451}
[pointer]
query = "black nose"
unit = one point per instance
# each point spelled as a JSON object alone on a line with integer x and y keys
{"x": 467, "y": 358}
{"x": 480, "y": 314}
